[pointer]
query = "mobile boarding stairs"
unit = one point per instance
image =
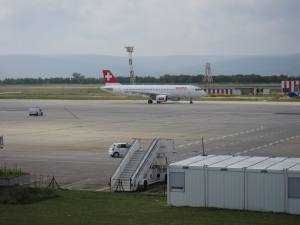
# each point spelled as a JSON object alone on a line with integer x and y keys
{"x": 142, "y": 165}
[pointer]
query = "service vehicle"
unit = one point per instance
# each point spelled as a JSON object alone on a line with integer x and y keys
{"x": 294, "y": 94}
{"x": 118, "y": 149}
{"x": 35, "y": 111}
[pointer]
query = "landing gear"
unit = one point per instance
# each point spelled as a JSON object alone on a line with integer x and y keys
{"x": 191, "y": 100}
{"x": 150, "y": 101}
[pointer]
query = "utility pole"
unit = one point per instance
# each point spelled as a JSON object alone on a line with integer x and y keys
{"x": 203, "y": 150}
{"x": 1, "y": 142}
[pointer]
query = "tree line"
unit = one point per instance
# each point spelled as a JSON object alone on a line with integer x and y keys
{"x": 78, "y": 78}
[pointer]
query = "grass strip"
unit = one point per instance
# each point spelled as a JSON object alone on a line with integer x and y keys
{"x": 82, "y": 207}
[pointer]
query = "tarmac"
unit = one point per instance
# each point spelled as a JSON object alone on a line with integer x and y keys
{"x": 71, "y": 140}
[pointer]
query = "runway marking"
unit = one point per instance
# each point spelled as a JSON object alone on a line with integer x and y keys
{"x": 267, "y": 145}
{"x": 69, "y": 111}
{"x": 10, "y": 92}
{"x": 80, "y": 182}
{"x": 249, "y": 113}
{"x": 45, "y": 160}
{"x": 222, "y": 137}
{"x": 107, "y": 188}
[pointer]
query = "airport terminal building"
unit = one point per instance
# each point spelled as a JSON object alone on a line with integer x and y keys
{"x": 237, "y": 90}
{"x": 236, "y": 182}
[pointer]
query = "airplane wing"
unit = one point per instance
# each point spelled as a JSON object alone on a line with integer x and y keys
{"x": 150, "y": 94}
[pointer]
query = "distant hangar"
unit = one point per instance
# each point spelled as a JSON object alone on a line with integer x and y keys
{"x": 236, "y": 182}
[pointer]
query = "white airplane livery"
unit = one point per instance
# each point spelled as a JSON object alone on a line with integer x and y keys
{"x": 158, "y": 93}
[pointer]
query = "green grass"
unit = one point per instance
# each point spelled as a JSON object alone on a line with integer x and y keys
{"x": 81, "y": 207}
{"x": 24, "y": 195}
{"x": 93, "y": 92}
{"x": 5, "y": 172}
{"x": 68, "y": 92}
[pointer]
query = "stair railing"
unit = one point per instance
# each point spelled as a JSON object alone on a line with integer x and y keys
{"x": 133, "y": 148}
{"x": 145, "y": 163}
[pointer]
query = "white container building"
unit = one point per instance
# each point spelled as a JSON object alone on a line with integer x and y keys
{"x": 236, "y": 182}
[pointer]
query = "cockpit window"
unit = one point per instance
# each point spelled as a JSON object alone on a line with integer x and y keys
{"x": 198, "y": 89}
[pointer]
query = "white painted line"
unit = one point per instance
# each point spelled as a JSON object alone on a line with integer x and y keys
{"x": 11, "y": 92}
{"x": 103, "y": 189}
{"x": 222, "y": 137}
{"x": 266, "y": 145}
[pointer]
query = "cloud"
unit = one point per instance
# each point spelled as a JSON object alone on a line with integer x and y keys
{"x": 155, "y": 27}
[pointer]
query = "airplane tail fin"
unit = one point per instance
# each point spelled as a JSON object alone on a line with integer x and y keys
{"x": 109, "y": 78}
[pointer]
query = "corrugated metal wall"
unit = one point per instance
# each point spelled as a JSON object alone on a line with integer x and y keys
{"x": 244, "y": 189}
{"x": 195, "y": 184}
{"x": 225, "y": 190}
{"x": 253, "y": 183}
{"x": 178, "y": 198}
{"x": 265, "y": 191}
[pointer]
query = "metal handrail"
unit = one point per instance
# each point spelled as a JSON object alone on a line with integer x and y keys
{"x": 144, "y": 161}
{"x": 134, "y": 147}
{"x": 119, "y": 184}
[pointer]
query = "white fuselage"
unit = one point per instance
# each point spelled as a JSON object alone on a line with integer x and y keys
{"x": 172, "y": 91}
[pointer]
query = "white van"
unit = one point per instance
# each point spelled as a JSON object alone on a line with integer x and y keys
{"x": 118, "y": 149}
{"x": 35, "y": 111}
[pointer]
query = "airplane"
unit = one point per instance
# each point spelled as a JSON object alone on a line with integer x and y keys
{"x": 158, "y": 93}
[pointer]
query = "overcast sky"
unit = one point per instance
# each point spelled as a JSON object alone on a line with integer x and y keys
{"x": 154, "y": 27}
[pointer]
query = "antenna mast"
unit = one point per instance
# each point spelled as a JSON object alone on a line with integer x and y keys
{"x": 207, "y": 79}
{"x": 129, "y": 49}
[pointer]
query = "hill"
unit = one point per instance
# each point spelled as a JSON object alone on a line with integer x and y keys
{"x": 12, "y": 66}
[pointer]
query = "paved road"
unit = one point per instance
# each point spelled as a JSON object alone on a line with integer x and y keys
{"x": 71, "y": 140}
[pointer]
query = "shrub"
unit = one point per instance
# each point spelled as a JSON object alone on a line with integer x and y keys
{"x": 24, "y": 195}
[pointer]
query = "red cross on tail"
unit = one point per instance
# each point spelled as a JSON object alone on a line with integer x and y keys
{"x": 109, "y": 78}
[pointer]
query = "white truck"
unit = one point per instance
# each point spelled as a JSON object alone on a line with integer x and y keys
{"x": 118, "y": 149}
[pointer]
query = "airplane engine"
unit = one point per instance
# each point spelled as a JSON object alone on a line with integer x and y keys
{"x": 161, "y": 98}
